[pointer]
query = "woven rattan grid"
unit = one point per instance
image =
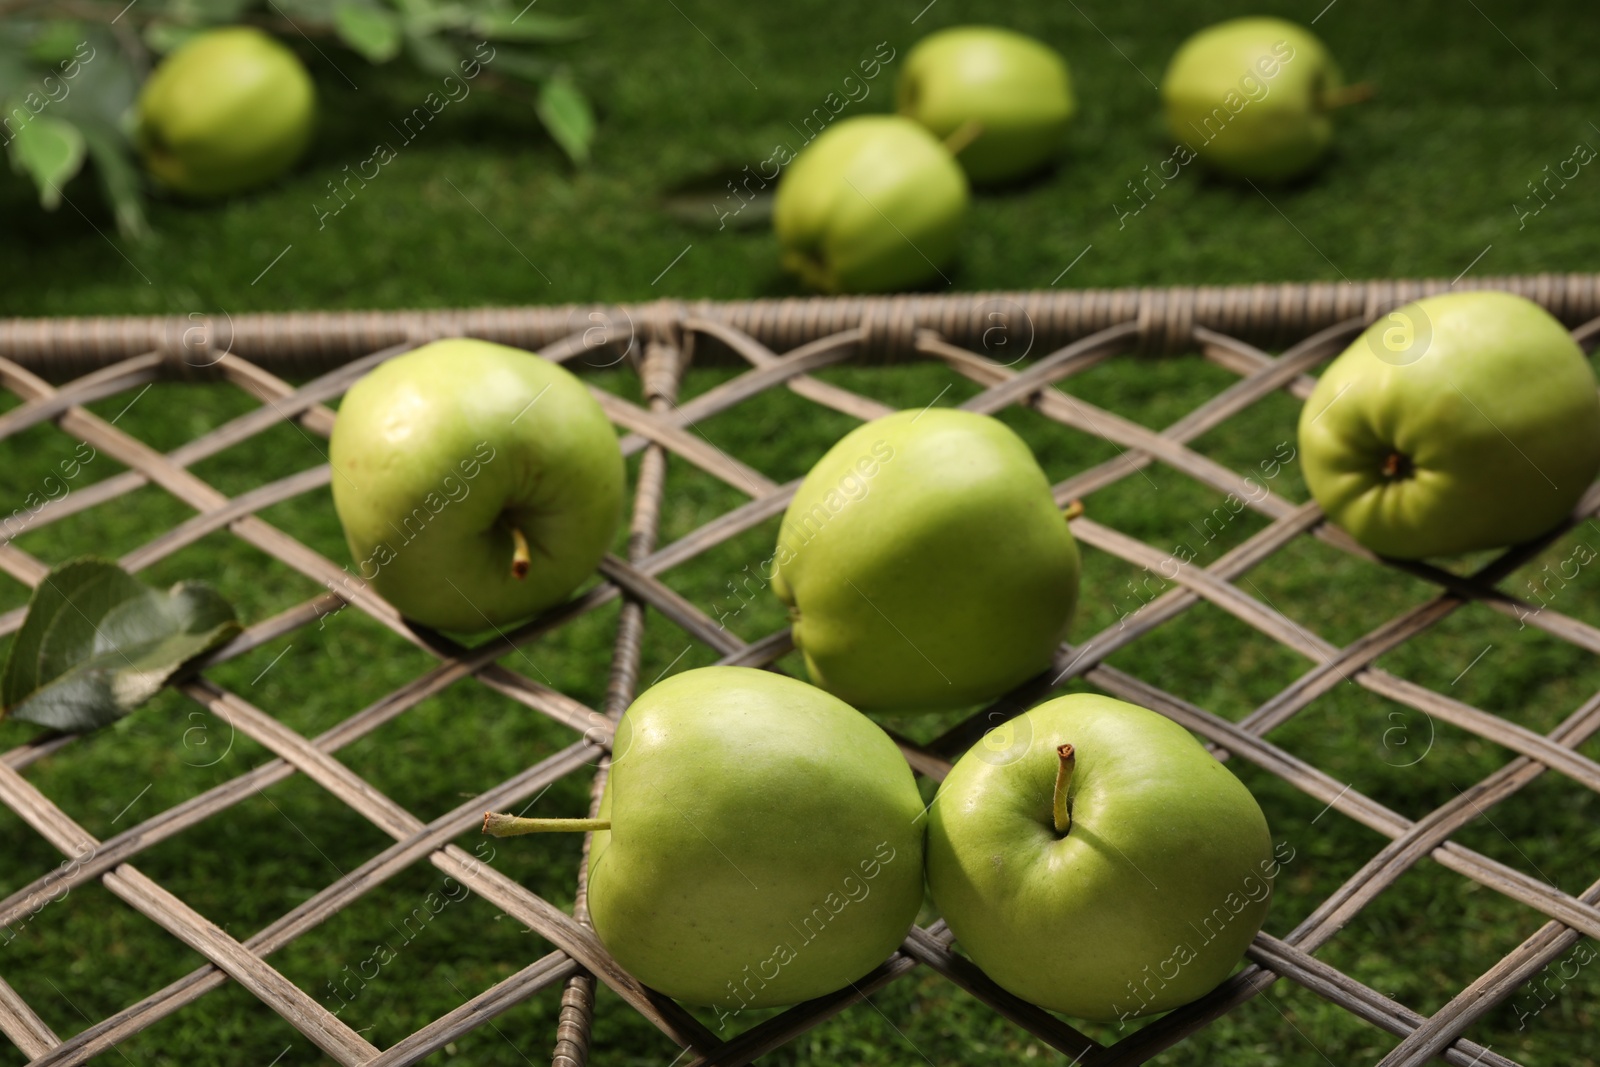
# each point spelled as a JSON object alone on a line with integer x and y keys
{"x": 782, "y": 342}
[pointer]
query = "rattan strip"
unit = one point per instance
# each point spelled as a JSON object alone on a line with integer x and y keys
{"x": 770, "y": 370}
{"x": 311, "y": 342}
{"x": 1282, "y": 958}
{"x": 661, "y": 373}
{"x": 1424, "y": 838}
{"x": 102, "y": 1036}
{"x": 1492, "y": 988}
{"x": 106, "y": 382}
{"x": 480, "y": 1010}
{"x": 25, "y": 1029}
{"x": 293, "y": 1004}
{"x": 1348, "y": 664}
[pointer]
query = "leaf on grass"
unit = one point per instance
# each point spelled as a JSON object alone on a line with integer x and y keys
{"x": 529, "y": 27}
{"x": 97, "y": 643}
{"x": 565, "y": 112}
{"x": 727, "y": 198}
{"x": 50, "y": 151}
{"x": 370, "y": 30}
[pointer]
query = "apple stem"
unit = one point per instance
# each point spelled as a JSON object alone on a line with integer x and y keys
{"x": 962, "y": 136}
{"x": 521, "y": 558}
{"x": 1344, "y": 96}
{"x": 1397, "y": 465}
{"x": 499, "y": 824}
{"x": 1072, "y": 511}
{"x": 1062, "y": 808}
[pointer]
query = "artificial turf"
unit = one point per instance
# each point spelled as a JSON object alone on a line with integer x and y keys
{"x": 1474, "y": 101}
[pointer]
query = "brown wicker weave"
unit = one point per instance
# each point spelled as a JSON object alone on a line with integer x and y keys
{"x": 104, "y": 357}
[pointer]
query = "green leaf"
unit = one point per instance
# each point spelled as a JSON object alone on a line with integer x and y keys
{"x": 50, "y": 151}
{"x": 529, "y": 27}
{"x": 432, "y": 54}
{"x": 119, "y": 178}
{"x": 370, "y": 30}
{"x": 522, "y": 63}
{"x": 565, "y": 113}
{"x": 163, "y": 37}
{"x": 97, "y": 643}
{"x": 54, "y": 42}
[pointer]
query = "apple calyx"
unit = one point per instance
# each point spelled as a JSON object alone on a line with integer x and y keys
{"x": 962, "y": 136}
{"x": 499, "y": 824}
{"x": 1061, "y": 807}
{"x": 1397, "y": 467}
{"x": 521, "y": 557}
{"x": 1345, "y": 95}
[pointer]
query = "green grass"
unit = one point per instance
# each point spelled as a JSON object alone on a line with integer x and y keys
{"x": 1423, "y": 181}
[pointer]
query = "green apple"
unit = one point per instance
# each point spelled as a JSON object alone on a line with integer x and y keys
{"x": 228, "y": 110}
{"x": 1254, "y": 97}
{"x": 1460, "y": 422}
{"x": 477, "y": 483}
{"x": 874, "y": 203}
{"x": 925, "y": 563}
{"x": 1009, "y": 93}
{"x": 759, "y": 842}
{"x": 1112, "y": 869}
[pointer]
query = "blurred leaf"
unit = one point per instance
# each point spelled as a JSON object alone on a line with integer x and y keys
{"x": 15, "y": 71}
{"x": 432, "y": 54}
{"x": 309, "y": 11}
{"x": 528, "y": 27}
{"x": 104, "y": 85}
{"x": 565, "y": 112}
{"x": 727, "y": 198}
{"x": 97, "y": 643}
{"x": 520, "y": 63}
{"x": 370, "y": 30}
{"x": 203, "y": 12}
{"x": 119, "y": 178}
{"x": 50, "y": 151}
{"x": 162, "y": 37}
{"x": 55, "y": 42}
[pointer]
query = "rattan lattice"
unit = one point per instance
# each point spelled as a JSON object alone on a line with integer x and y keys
{"x": 118, "y": 356}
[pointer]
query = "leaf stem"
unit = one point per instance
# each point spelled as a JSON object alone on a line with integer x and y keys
{"x": 1344, "y": 96}
{"x": 499, "y": 824}
{"x": 1062, "y": 807}
{"x": 962, "y": 136}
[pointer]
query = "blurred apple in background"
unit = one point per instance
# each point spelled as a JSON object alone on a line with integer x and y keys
{"x": 228, "y": 110}
{"x": 874, "y": 203}
{"x": 1459, "y": 422}
{"x": 1007, "y": 96}
{"x": 1254, "y": 97}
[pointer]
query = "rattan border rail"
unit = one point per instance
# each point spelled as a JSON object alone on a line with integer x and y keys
{"x": 302, "y": 343}
{"x": 1090, "y": 327}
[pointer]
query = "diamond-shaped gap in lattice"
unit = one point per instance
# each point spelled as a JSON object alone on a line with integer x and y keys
{"x": 1464, "y": 927}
